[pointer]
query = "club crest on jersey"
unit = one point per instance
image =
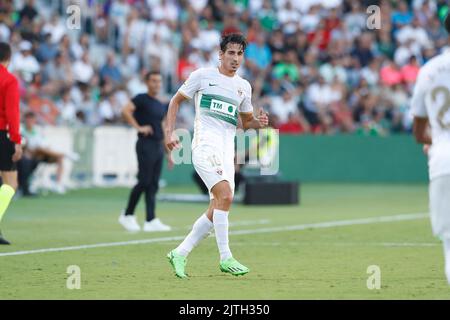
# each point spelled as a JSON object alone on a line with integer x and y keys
{"x": 219, "y": 172}
{"x": 240, "y": 92}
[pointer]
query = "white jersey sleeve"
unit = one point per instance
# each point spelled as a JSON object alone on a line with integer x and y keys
{"x": 246, "y": 104}
{"x": 418, "y": 106}
{"x": 192, "y": 84}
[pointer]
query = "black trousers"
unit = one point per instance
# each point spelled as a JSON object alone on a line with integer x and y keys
{"x": 25, "y": 168}
{"x": 150, "y": 155}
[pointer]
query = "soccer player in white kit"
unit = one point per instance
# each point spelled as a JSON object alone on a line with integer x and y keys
{"x": 220, "y": 97}
{"x": 431, "y": 106}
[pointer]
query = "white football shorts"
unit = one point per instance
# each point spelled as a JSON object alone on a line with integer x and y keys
{"x": 214, "y": 165}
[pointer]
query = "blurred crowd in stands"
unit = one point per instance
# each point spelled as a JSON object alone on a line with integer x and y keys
{"x": 314, "y": 65}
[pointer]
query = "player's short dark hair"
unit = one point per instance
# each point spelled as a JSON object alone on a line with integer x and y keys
{"x": 5, "y": 52}
{"x": 447, "y": 23}
{"x": 151, "y": 73}
{"x": 232, "y": 38}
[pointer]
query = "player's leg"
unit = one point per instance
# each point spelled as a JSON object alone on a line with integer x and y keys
{"x": 7, "y": 190}
{"x": 440, "y": 215}
{"x": 127, "y": 219}
{"x": 24, "y": 170}
{"x": 203, "y": 225}
{"x": 223, "y": 193}
{"x": 59, "y": 160}
{"x": 200, "y": 230}
{"x": 56, "y": 158}
{"x": 446, "y": 242}
{"x": 223, "y": 196}
{"x": 152, "y": 185}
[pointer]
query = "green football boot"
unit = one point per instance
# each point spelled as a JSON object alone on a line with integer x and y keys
{"x": 178, "y": 263}
{"x": 231, "y": 265}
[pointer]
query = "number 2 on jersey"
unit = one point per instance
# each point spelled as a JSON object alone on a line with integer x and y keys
{"x": 444, "y": 108}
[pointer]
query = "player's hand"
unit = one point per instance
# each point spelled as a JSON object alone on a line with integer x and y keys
{"x": 18, "y": 153}
{"x": 426, "y": 148}
{"x": 145, "y": 130}
{"x": 172, "y": 142}
{"x": 263, "y": 118}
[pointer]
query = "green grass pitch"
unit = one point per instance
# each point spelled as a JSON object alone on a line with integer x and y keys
{"x": 322, "y": 261}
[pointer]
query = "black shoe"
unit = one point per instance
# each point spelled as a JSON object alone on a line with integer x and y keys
{"x": 3, "y": 240}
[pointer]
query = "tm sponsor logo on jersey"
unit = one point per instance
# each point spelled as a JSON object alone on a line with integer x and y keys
{"x": 222, "y": 107}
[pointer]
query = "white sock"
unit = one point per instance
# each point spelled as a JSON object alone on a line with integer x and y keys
{"x": 199, "y": 231}
{"x": 446, "y": 242}
{"x": 220, "y": 220}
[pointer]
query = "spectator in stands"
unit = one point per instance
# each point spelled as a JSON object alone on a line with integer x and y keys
{"x": 110, "y": 70}
{"x": 296, "y": 124}
{"x": 56, "y": 27}
{"x": 83, "y": 70}
{"x": 106, "y": 109}
{"x": 258, "y": 56}
{"x": 28, "y": 12}
{"x": 410, "y": 71}
{"x": 47, "y": 50}
{"x": 363, "y": 50}
{"x": 45, "y": 109}
{"x": 288, "y": 67}
{"x": 318, "y": 98}
{"x": 385, "y": 45}
{"x": 67, "y": 109}
{"x": 391, "y": 74}
{"x": 37, "y": 151}
{"x": 333, "y": 68}
{"x": 355, "y": 21}
{"x": 24, "y": 63}
{"x": 58, "y": 74}
{"x": 403, "y": 15}
{"x": 371, "y": 73}
{"x": 284, "y": 105}
{"x": 437, "y": 34}
{"x": 291, "y": 42}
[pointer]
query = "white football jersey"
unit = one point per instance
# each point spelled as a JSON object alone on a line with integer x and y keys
{"x": 218, "y": 101}
{"x": 431, "y": 99}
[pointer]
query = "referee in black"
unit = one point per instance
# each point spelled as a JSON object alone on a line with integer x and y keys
{"x": 146, "y": 113}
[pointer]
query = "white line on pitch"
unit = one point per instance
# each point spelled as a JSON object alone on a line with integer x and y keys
{"x": 320, "y": 225}
{"x": 337, "y": 244}
{"x": 234, "y": 224}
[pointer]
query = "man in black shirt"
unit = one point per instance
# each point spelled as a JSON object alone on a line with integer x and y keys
{"x": 28, "y": 11}
{"x": 146, "y": 113}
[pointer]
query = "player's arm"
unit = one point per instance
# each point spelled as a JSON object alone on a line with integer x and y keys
{"x": 127, "y": 113}
{"x": 186, "y": 91}
{"x": 171, "y": 141}
{"x": 250, "y": 122}
{"x": 246, "y": 111}
{"x": 13, "y": 117}
{"x": 421, "y": 132}
{"x": 419, "y": 110}
{"x": 166, "y": 149}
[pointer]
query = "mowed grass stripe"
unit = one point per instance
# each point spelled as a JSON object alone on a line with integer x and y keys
{"x": 329, "y": 224}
